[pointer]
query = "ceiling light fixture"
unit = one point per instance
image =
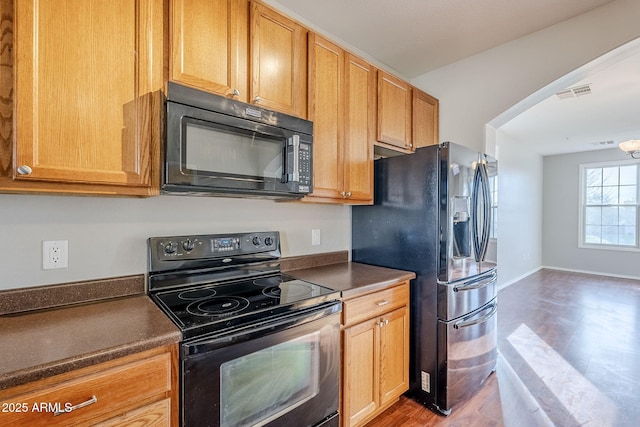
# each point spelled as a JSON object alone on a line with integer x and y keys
{"x": 631, "y": 147}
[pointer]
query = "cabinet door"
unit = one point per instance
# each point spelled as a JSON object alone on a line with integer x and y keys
{"x": 326, "y": 112}
{"x": 209, "y": 45}
{"x": 359, "y": 127}
{"x": 425, "y": 119}
{"x": 84, "y": 72}
{"x": 394, "y": 111}
{"x": 128, "y": 386}
{"x": 360, "y": 372}
{"x": 394, "y": 355}
{"x": 279, "y": 61}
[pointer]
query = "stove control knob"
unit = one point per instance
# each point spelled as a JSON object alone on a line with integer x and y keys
{"x": 170, "y": 248}
{"x": 188, "y": 245}
{"x": 256, "y": 241}
{"x": 268, "y": 241}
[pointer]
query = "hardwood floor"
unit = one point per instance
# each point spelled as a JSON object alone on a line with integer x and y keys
{"x": 569, "y": 355}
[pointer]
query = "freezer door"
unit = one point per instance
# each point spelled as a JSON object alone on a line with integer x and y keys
{"x": 459, "y": 298}
{"x": 467, "y": 352}
{"x": 465, "y": 212}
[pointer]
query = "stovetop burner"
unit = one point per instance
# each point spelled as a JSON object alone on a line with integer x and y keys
{"x": 213, "y": 307}
{"x": 194, "y": 294}
{"x": 212, "y": 283}
{"x": 291, "y": 291}
{"x": 218, "y": 306}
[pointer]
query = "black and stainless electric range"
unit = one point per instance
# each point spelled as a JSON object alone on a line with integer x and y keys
{"x": 259, "y": 347}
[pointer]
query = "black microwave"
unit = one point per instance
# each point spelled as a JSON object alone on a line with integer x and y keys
{"x": 219, "y": 146}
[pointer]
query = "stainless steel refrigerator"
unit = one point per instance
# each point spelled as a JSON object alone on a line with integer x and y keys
{"x": 432, "y": 215}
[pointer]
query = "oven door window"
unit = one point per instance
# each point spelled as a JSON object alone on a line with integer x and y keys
{"x": 216, "y": 149}
{"x": 281, "y": 373}
{"x": 261, "y": 386}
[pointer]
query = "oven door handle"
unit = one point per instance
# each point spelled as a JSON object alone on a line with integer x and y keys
{"x": 206, "y": 344}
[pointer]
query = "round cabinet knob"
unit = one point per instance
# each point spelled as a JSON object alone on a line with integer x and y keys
{"x": 235, "y": 92}
{"x": 257, "y": 99}
{"x": 188, "y": 245}
{"x": 256, "y": 241}
{"x": 268, "y": 241}
{"x": 24, "y": 170}
{"x": 170, "y": 248}
{"x": 348, "y": 193}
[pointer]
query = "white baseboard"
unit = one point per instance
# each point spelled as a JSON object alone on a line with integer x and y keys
{"x": 511, "y": 282}
{"x": 596, "y": 273}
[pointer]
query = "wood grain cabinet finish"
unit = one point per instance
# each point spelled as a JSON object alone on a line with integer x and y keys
{"x": 86, "y": 103}
{"x": 394, "y": 112}
{"x": 425, "y": 117}
{"x": 359, "y": 116}
{"x": 140, "y": 389}
{"x": 341, "y": 106}
{"x": 278, "y": 61}
{"x": 210, "y": 46}
{"x": 375, "y": 353}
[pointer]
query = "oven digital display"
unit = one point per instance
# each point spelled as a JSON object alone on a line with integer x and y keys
{"x": 222, "y": 244}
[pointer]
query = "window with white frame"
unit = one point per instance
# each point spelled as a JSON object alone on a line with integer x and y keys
{"x": 609, "y": 205}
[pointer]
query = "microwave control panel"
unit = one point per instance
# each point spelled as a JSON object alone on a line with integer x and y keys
{"x": 304, "y": 170}
{"x": 299, "y": 161}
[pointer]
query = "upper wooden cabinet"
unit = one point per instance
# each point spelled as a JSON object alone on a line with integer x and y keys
{"x": 425, "y": 117}
{"x": 359, "y": 128}
{"x": 86, "y": 118}
{"x": 209, "y": 45}
{"x": 326, "y": 81}
{"x": 278, "y": 61}
{"x": 341, "y": 106}
{"x": 394, "y": 112}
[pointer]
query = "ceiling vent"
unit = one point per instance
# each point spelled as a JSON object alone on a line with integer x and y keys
{"x": 574, "y": 92}
{"x": 603, "y": 143}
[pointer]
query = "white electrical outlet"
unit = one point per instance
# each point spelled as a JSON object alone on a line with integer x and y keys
{"x": 315, "y": 237}
{"x": 55, "y": 254}
{"x": 426, "y": 381}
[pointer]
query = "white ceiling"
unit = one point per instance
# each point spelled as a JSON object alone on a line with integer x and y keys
{"x": 601, "y": 119}
{"x": 417, "y": 36}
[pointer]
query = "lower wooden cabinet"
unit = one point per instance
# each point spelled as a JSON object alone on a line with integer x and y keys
{"x": 139, "y": 389}
{"x": 375, "y": 353}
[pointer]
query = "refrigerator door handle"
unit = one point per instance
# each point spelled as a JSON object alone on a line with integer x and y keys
{"x": 486, "y": 226}
{"x": 466, "y": 324}
{"x": 477, "y": 242}
{"x": 476, "y": 284}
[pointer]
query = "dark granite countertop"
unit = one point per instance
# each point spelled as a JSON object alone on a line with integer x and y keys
{"x": 43, "y": 343}
{"x": 352, "y": 278}
{"x": 106, "y": 319}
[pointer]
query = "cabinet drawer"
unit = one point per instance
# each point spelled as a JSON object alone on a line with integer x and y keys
{"x": 365, "y": 307}
{"x": 98, "y": 396}
{"x": 157, "y": 414}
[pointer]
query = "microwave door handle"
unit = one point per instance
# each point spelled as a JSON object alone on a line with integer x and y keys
{"x": 293, "y": 173}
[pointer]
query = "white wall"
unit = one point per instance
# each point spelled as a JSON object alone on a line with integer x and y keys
{"x": 107, "y": 236}
{"x": 560, "y": 219}
{"x": 519, "y": 210}
{"x": 486, "y": 88}
{"x": 475, "y": 90}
